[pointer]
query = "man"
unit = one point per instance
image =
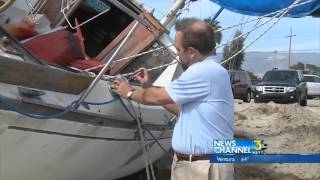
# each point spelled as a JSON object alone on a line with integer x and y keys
{"x": 201, "y": 97}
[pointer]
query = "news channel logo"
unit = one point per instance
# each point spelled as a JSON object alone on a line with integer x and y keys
{"x": 239, "y": 146}
{"x": 253, "y": 151}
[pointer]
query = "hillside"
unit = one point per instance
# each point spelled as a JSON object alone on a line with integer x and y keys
{"x": 260, "y": 62}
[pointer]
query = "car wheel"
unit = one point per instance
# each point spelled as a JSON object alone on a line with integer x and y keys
{"x": 302, "y": 101}
{"x": 248, "y": 97}
{"x": 256, "y": 100}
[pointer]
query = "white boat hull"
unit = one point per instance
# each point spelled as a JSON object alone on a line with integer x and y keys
{"x": 60, "y": 149}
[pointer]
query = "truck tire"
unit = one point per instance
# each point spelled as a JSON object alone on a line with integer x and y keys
{"x": 248, "y": 97}
{"x": 302, "y": 100}
{"x": 256, "y": 100}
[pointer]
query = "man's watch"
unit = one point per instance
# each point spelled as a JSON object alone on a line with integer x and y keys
{"x": 129, "y": 94}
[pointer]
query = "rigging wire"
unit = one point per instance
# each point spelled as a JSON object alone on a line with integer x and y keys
{"x": 248, "y": 32}
{"x": 231, "y": 39}
{"x": 245, "y": 38}
{"x": 133, "y": 56}
{"x": 244, "y": 34}
{"x": 108, "y": 77}
{"x": 265, "y": 16}
{"x": 279, "y": 15}
{"x": 279, "y": 18}
{"x": 69, "y": 2}
{"x": 186, "y": 8}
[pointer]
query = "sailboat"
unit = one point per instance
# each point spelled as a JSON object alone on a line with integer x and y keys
{"x": 58, "y": 119}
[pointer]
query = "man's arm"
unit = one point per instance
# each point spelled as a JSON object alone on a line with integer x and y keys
{"x": 173, "y": 108}
{"x": 156, "y": 96}
{"x": 152, "y": 96}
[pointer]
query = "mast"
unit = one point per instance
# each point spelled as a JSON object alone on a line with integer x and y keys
{"x": 169, "y": 19}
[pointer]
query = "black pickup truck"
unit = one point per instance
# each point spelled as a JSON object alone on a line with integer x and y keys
{"x": 281, "y": 86}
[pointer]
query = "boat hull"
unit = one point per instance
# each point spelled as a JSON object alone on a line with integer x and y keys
{"x": 61, "y": 149}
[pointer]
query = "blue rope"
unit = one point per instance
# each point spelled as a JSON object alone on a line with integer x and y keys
{"x": 36, "y": 116}
{"x": 148, "y": 130}
{"x": 69, "y": 108}
{"x": 100, "y": 103}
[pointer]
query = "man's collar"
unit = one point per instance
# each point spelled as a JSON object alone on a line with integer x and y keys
{"x": 215, "y": 58}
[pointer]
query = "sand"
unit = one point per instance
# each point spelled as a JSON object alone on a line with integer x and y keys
{"x": 286, "y": 128}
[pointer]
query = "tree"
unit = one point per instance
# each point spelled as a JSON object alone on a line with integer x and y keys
{"x": 313, "y": 69}
{"x": 215, "y": 26}
{"x": 231, "y": 49}
{"x": 299, "y": 66}
{"x": 252, "y": 75}
{"x": 308, "y": 68}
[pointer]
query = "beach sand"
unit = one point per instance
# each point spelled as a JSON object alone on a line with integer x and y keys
{"x": 285, "y": 128}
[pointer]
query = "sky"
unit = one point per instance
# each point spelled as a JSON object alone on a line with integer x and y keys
{"x": 306, "y": 30}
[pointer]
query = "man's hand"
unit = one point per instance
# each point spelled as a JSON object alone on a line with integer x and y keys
{"x": 142, "y": 76}
{"x": 121, "y": 87}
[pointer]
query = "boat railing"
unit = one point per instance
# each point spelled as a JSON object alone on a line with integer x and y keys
{"x": 106, "y": 66}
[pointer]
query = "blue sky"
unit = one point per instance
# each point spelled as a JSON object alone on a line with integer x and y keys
{"x": 307, "y": 30}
